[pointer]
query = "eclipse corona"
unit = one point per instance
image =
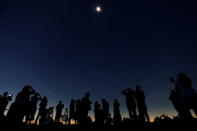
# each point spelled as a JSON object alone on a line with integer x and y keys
{"x": 98, "y": 9}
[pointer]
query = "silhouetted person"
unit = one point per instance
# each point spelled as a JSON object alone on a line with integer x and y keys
{"x": 176, "y": 100}
{"x": 98, "y": 114}
{"x": 4, "y": 100}
{"x": 42, "y": 111}
{"x": 85, "y": 108}
{"x": 33, "y": 105}
{"x": 20, "y": 108}
{"x": 105, "y": 107}
{"x": 141, "y": 105}
{"x": 130, "y": 102}
{"x": 188, "y": 94}
{"x": 117, "y": 116}
{"x": 59, "y": 108}
{"x": 185, "y": 94}
{"x": 72, "y": 114}
{"x": 78, "y": 111}
{"x": 184, "y": 87}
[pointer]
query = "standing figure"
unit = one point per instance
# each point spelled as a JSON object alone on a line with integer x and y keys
{"x": 4, "y": 100}
{"x": 183, "y": 97}
{"x": 175, "y": 98}
{"x": 21, "y": 107}
{"x": 99, "y": 121}
{"x": 130, "y": 102}
{"x": 78, "y": 111}
{"x": 141, "y": 104}
{"x": 42, "y": 111}
{"x": 117, "y": 116}
{"x": 85, "y": 108}
{"x": 105, "y": 107}
{"x": 72, "y": 114}
{"x": 59, "y": 108}
{"x": 33, "y": 107}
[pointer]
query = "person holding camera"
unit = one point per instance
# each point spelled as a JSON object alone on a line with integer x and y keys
{"x": 33, "y": 107}
{"x": 22, "y": 104}
{"x": 130, "y": 103}
{"x": 42, "y": 111}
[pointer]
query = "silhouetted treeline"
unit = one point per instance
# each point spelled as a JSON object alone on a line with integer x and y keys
{"x": 22, "y": 112}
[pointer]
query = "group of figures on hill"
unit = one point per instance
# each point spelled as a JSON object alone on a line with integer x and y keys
{"x": 23, "y": 109}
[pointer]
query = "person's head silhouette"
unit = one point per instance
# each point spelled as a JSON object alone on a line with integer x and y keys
{"x": 115, "y": 101}
{"x": 103, "y": 100}
{"x": 26, "y": 88}
{"x": 138, "y": 87}
{"x": 44, "y": 98}
{"x": 172, "y": 80}
{"x": 87, "y": 94}
{"x": 5, "y": 94}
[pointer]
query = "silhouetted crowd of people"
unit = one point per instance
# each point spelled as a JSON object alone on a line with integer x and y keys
{"x": 24, "y": 110}
{"x": 134, "y": 98}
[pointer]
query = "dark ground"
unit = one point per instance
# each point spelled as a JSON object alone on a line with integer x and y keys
{"x": 162, "y": 124}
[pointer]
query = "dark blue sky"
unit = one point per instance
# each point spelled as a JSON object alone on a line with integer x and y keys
{"x": 64, "y": 48}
